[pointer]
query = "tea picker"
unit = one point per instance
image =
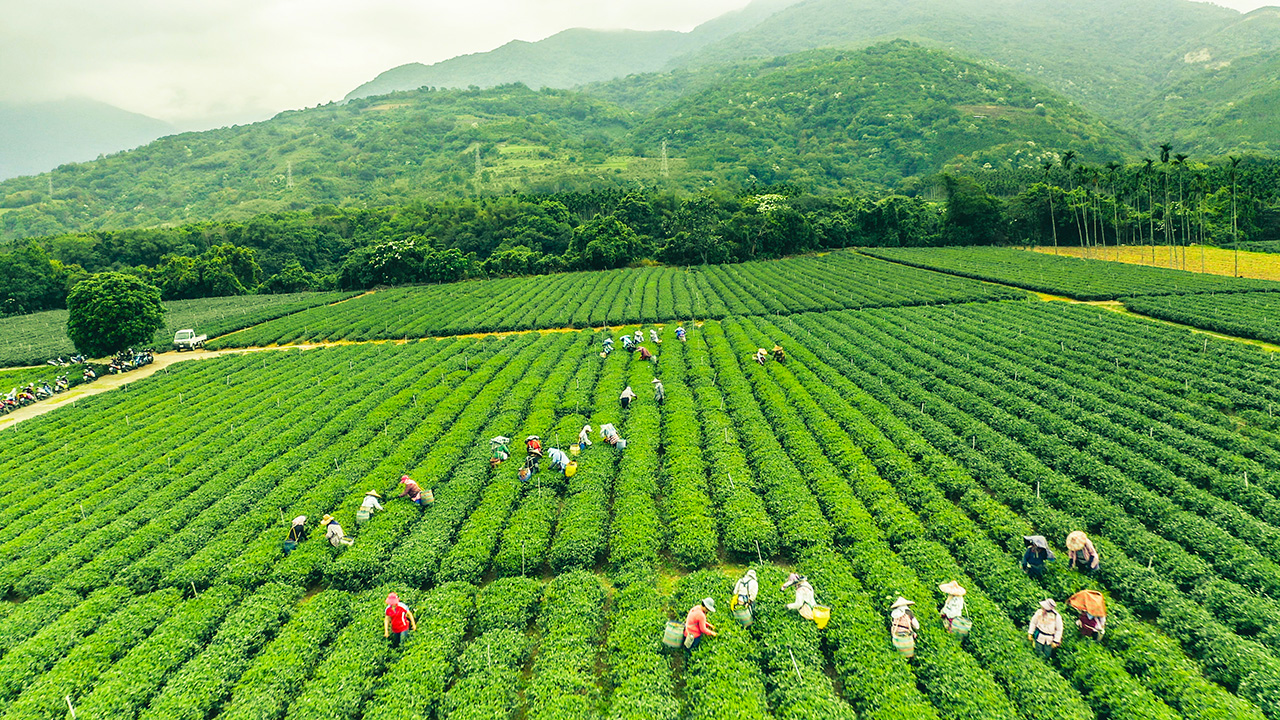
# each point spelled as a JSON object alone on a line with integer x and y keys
{"x": 398, "y": 621}
{"x": 626, "y": 397}
{"x": 499, "y": 451}
{"x": 610, "y": 435}
{"x": 639, "y": 336}
{"x": 367, "y": 506}
{"x": 659, "y": 392}
{"x": 415, "y": 493}
{"x": 297, "y": 533}
{"x": 953, "y": 609}
{"x": 680, "y": 333}
{"x": 761, "y": 355}
{"x": 778, "y": 354}
{"x": 653, "y": 336}
{"x": 1036, "y": 555}
{"x": 744, "y": 598}
{"x": 645, "y": 355}
{"x": 1080, "y": 552}
{"x": 903, "y": 626}
{"x": 559, "y": 460}
{"x": 696, "y": 625}
{"x": 333, "y": 532}
{"x": 608, "y": 347}
{"x": 584, "y": 439}
{"x": 1045, "y": 630}
{"x": 1093, "y": 613}
{"x": 805, "y": 604}
{"x": 533, "y": 445}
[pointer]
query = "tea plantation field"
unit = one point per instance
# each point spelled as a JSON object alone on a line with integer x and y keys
{"x": 897, "y": 448}
{"x": 832, "y": 281}
{"x": 1073, "y": 277}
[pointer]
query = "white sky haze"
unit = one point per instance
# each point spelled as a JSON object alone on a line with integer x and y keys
{"x": 202, "y": 63}
{"x": 199, "y": 63}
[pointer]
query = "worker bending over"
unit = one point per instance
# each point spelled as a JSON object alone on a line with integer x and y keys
{"x": 367, "y": 506}
{"x": 696, "y": 625}
{"x": 297, "y": 533}
{"x": 1080, "y": 552}
{"x": 559, "y": 460}
{"x": 333, "y": 532}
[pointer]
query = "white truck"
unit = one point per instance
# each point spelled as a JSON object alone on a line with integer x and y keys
{"x": 188, "y": 340}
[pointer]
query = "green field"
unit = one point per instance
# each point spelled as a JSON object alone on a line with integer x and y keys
{"x": 1072, "y": 277}
{"x": 830, "y": 281}
{"x": 895, "y": 449}
{"x": 1248, "y": 315}
{"x": 33, "y": 339}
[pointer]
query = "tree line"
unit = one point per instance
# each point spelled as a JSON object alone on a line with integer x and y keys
{"x": 1170, "y": 202}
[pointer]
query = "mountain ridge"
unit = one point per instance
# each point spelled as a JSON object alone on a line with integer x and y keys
{"x": 591, "y": 55}
{"x": 35, "y": 137}
{"x": 917, "y": 115}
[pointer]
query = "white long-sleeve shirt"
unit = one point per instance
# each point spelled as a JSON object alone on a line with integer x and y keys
{"x": 335, "y": 536}
{"x": 953, "y": 607}
{"x": 584, "y": 436}
{"x": 371, "y": 503}
{"x": 901, "y": 619}
{"x": 1049, "y": 624}
{"x": 558, "y": 458}
{"x": 804, "y": 596}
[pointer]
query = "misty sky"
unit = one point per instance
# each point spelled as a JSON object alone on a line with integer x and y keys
{"x": 201, "y": 63}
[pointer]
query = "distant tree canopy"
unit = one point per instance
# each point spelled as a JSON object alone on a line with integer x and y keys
{"x": 354, "y": 248}
{"x": 109, "y": 312}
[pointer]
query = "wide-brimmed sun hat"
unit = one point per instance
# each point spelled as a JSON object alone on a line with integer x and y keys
{"x": 1049, "y": 604}
{"x": 326, "y": 519}
{"x": 300, "y": 520}
{"x": 709, "y": 604}
{"x": 952, "y": 588}
{"x": 1076, "y": 541}
{"x": 901, "y": 602}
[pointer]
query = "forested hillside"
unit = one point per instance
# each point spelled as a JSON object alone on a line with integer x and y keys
{"x": 875, "y": 117}
{"x": 835, "y": 120}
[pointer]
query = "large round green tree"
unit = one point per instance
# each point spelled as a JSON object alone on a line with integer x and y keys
{"x": 109, "y": 312}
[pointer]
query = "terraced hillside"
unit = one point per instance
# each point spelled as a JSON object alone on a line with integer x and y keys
{"x": 894, "y": 450}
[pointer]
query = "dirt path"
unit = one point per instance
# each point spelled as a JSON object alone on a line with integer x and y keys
{"x": 1117, "y": 306}
{"x": 107, "y": 383}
